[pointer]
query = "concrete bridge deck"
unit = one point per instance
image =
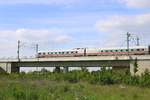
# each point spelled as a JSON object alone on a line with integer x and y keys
{"x": 143, "y": 61}
{"x": 82, "y": 58}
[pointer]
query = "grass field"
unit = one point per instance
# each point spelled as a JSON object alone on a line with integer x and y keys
{"x": 44, "y": 89}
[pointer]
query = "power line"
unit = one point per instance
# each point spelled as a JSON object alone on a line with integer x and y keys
{"x": 138, "y": 41}
{"x": 37, "y": 49}
{"x": 18, "y": 51}
{"x": 134, "y": 38}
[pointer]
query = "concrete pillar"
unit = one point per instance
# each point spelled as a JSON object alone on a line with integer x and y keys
{"x": 8, "y": 67}
{"x": 132, "y": 68}
{"x": 5, "y": 67}
{"x": 66, "y": 69}
{"x": 143, "y": 65}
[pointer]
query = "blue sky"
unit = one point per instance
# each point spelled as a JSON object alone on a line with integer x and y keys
{"x": 65, "y": 24}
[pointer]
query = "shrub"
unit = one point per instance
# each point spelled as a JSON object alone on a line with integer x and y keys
{"x": 144, "y": 80}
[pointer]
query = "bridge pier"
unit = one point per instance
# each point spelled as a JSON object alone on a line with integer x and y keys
{"x": 8, "y": 67}
{"x": 142, "y": 66}
{"x": 5, "y": 67}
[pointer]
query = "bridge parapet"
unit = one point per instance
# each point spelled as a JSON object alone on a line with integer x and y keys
{"x": 67, "y": 58}
{"x": 83, "y": 58}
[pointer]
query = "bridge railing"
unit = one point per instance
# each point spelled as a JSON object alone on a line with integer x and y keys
{"x": 24, "y": 57}
{"x": 87, "y": 57}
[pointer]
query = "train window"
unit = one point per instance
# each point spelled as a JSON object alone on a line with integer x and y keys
{"x": 67, "y": 52}
{"x": 72, "y": 52}
{"x": 106, "y": 50}
{"x": 76, "y": 51}
{"x": 138, "y": 49}
{"x": 116, "y": 51}
{"x": 55, "y": 52}
{"x": 102, "y": 51}
{"x": 39, "y": 53}
{"x": 44, "y": 53}
{"x": 126, "y": 49}
{"x": 63, "y": 52}
{"x": 121, "y": 50}
{"x": 132, "y": 49}
{"x": 142, "y": 49}
{"x": 111, "y": 50}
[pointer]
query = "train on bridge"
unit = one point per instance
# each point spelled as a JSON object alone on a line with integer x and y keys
{"x": 76, "y": 52}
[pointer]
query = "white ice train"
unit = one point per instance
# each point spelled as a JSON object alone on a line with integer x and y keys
{"x": 138, "y": 50}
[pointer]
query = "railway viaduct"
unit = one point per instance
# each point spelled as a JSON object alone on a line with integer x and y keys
{"x": 143, "y": 61}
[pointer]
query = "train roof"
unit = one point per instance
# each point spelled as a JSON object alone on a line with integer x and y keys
{"x": 58, "y": 50}
{"x": 132, "y": 47}
{"x": 112, "y": 48}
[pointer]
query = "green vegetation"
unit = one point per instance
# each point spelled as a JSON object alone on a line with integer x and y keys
{"x": 75, "y": 85}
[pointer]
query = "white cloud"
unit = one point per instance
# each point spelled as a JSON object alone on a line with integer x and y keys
{"x": 136, "y": 23}
{"x": 8, "y": 38}
{"x": 137, "y": 3}
{"x": 119, "y": 25}
{"x": 34, "y": 35}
